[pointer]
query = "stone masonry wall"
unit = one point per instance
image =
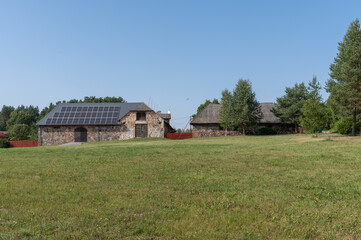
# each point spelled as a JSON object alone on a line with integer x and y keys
{"x": 214, "y": 133}
{"x": 154, "y": 121}
{"x": 64, "y": 134}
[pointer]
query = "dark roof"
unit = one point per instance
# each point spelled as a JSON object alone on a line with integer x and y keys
{"x": 89, "y": 113}
{"x": 142, "y": 107}
{"x": 210, "y": 114}
{"x": 165, "y": 116}
{"x": 3, "y": 136}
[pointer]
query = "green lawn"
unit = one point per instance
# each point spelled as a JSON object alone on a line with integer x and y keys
{"x": 272, "y": 187}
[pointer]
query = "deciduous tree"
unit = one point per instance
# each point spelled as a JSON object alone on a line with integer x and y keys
{"x": 242, "y": 110}
{"x": 314, "y": 110}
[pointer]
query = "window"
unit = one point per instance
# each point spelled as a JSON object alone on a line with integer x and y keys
{"x": 141, "y": 116}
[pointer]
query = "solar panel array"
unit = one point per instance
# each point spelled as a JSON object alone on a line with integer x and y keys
{"x": 85, "y": 115}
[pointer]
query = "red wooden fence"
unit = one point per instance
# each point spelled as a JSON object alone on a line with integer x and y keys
{"x": 16, "y": 144}
{"x": 179, "y": 135}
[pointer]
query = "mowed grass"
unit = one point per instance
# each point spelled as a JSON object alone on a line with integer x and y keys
{"x": 272, "y": 187}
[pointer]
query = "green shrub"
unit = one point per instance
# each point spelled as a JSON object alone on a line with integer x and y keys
{"x": 4, "y": 143}
{"x": 344, "y": 126}
{"x": 265, "y": 131}
{"x": 19, "y": 132}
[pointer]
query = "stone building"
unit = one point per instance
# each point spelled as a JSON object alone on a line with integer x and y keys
{"x": 91, "y": 122}
{"x": 207, "y": 122}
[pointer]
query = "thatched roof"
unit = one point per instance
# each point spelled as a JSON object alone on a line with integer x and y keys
{"x": 268, "y": 116}
{"x": 210, "y": 114}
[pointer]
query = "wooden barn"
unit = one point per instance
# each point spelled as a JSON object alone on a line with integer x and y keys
{"x": 207, "y": 122}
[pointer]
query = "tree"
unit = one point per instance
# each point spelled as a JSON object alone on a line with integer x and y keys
{"x": 46, "y": 110}
{"x": 314, "y": 110}
{"x": 93, "y": 99}
{"x": 5, "y": 116}
{"x": 225, "y": 111}
{"x": 345, "y": 72}
{"x": 203, "y": 105}
{"x": 20, "y": 117}
{"x": 288, "y": 107}
{"x": 241, "y": 110}
{"x": 19, "y": 132}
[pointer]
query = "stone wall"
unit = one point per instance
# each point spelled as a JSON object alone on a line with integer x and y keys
{"x": 154, "y": 121}
{"x": 64, "y": 134}
{"x": 214, "y": 133}
{"x": 210, "y": 126}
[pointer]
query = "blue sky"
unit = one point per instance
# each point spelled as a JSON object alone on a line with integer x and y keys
{"x": 171, "y": 55}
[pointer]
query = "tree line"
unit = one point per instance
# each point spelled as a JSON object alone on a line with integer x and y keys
{"x": 302, "y": 105}
{"x": 20, "y": 122}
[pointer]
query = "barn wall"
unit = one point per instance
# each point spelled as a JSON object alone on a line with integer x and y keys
{"x": 211, "y": 126}
{"x": 211, "y": 130}
{"x": 64, "y": 134}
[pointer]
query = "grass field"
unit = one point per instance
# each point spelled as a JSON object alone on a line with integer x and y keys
{"x": 275, "y": 187}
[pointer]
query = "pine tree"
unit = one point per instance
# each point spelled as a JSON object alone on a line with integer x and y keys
{"x": 288, "y": 107}
{"x": 345, "y": 74}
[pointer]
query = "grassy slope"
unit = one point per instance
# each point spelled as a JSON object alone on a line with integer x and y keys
{"x": 215, "y": 188}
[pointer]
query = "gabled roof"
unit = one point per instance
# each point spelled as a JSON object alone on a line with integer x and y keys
{"x": 3, "y": 136}
{"x": 90, "y": 113}
{"x": 165, "y": 116}
{"x": 210, "y": 114}
{"x": 142, "y": 107}
{"x": 268, "y": 115}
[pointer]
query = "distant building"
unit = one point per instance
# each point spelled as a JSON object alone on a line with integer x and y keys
{"x": 207, "y": 122}
{"x": 3, "y": 135}
{"x": 90, "y": 122}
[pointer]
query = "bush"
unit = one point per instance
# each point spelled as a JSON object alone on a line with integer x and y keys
{"x": 265, "y": 131}
{"x": 19, "y": 132}
{"x": 4, "y": 143}
{"x": 344, "y": 126}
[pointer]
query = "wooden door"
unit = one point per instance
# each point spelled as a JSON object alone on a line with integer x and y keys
{"x": 141, "y": 130}
{"x": 80, "y": 135}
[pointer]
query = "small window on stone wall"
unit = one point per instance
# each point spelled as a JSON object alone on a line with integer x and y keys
{"x": 141, "y": 116}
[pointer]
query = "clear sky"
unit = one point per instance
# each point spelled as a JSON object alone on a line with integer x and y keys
{"x": 172, "y": 55}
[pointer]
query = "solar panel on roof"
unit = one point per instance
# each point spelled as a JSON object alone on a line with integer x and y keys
{"x": 96, "y": 115}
